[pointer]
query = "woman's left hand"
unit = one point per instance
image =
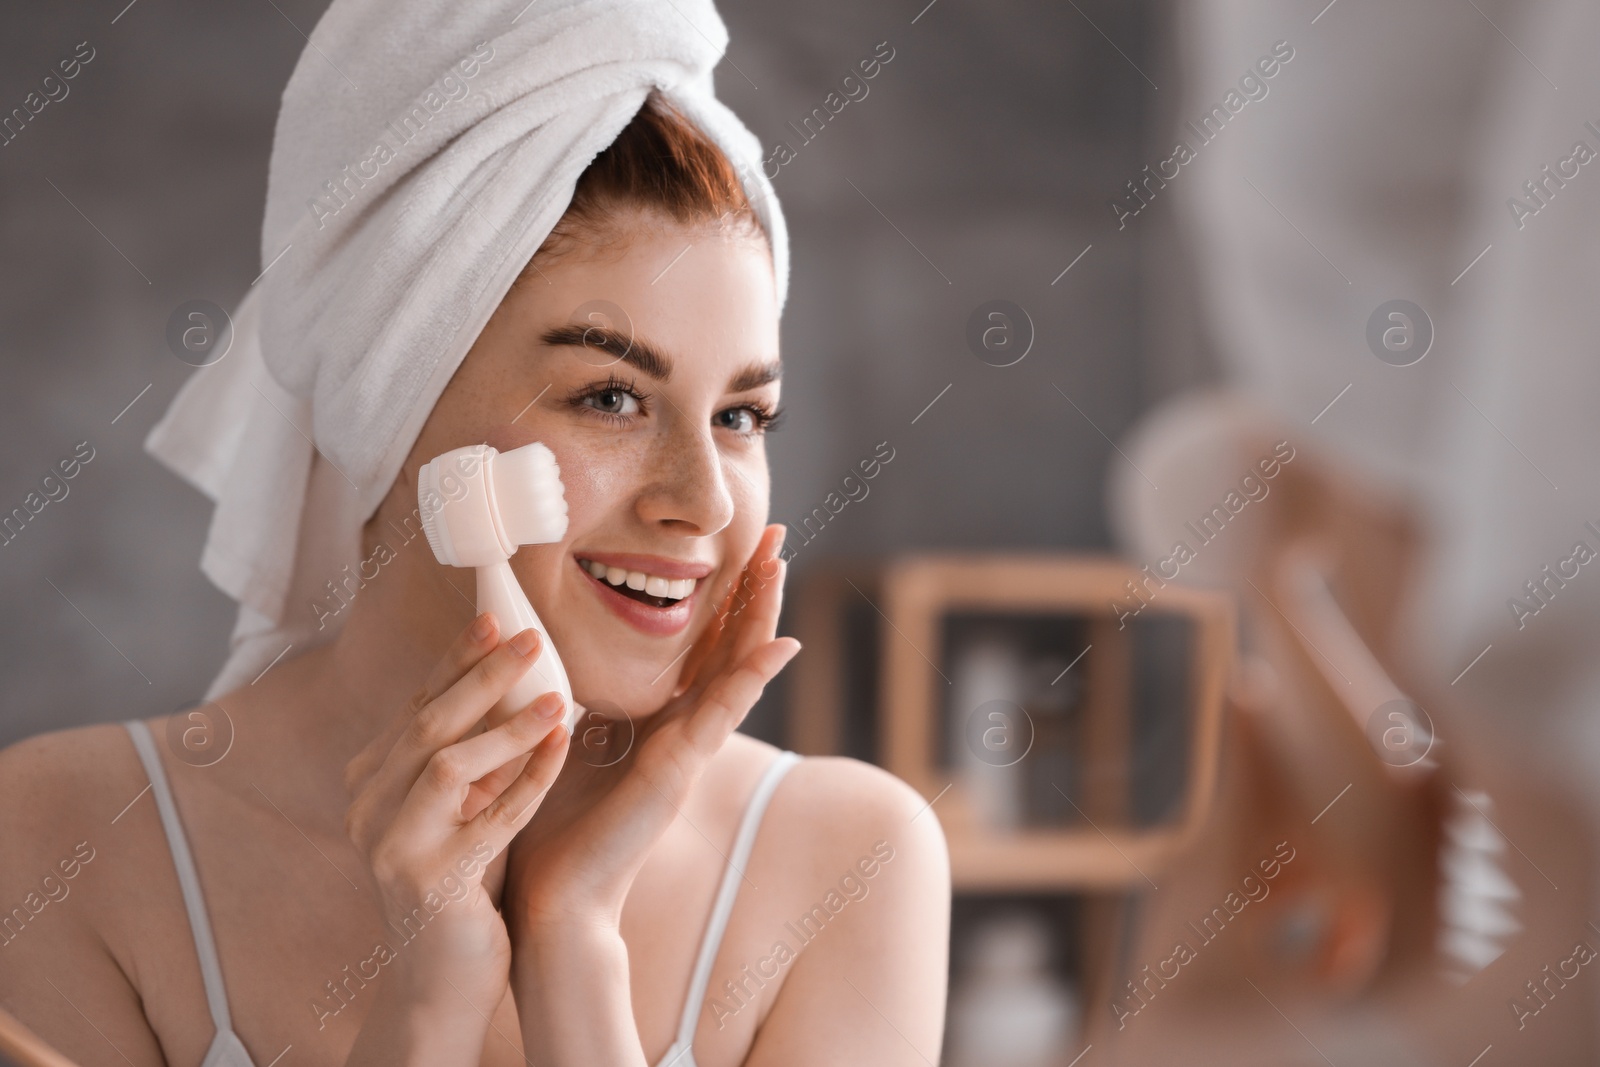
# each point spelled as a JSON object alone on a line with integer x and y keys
{"x": 573, "y": 865}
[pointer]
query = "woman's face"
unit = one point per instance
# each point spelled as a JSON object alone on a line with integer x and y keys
{"x": 650, "y": 371}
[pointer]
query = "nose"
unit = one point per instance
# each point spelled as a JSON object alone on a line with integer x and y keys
{"x": 686, "y": 487}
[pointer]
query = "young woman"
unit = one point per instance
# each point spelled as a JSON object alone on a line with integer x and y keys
{"x": 370, "y": 876}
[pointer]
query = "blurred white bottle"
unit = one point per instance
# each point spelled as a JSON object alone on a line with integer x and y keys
{"x": 991, "y": 729}
{"x": 1008, "y": 1009}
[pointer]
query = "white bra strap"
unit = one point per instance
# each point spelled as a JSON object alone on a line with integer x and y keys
{"x": 188, "y": 879}
{"x": 718, "y": 922}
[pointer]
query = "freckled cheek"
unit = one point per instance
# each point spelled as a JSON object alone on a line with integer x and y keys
{"x": 751, "y": 491}
{"x": 750, "y": 503}
{"x": 595, "y": 487}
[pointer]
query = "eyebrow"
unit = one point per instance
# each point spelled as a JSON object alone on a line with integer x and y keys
{"x": 755, "y": 376}
{"x": 635, "y": 350}
{"x": 648, "y": 358}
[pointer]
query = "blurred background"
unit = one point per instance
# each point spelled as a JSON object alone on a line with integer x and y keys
{"x": 1425, "y": 152}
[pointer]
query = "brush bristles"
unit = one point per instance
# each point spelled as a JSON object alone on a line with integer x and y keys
{"x": 429, "y": 503}
{"x": 530, "y": 496}
{"x": 430, "y": 528}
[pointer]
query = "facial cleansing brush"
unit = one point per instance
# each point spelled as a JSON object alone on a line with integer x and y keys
{"x": 478, "y": 507}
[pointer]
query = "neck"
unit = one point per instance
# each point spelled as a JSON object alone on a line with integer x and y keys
{"x": 341, "y": 695}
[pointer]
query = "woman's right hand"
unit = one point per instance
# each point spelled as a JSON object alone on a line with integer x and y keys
{"x": 434, "y": 802}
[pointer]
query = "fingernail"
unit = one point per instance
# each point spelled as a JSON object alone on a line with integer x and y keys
{"x": 547, "y": 709}
{"x": 480, "y": 627}
{"x": 777, "y": 546}
{"x": 523, "y": 643}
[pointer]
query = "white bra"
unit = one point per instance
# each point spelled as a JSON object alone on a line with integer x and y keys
{"x": 228, "y": 1051}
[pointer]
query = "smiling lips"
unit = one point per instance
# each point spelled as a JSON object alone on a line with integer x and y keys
{"x": 653, "y": 594}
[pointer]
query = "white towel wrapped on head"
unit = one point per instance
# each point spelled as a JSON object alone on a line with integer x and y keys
{"x": 424, "y": 151}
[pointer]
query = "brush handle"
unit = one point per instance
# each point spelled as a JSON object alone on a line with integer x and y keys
{"x": 500, "y": 592}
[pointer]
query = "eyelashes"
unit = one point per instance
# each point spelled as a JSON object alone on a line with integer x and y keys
{"x": 767, "y": 418}
{"x": 615, "y": 391}
{"x": 582, "y": 397}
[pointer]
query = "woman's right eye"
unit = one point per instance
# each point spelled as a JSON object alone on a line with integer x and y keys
{"x": 616, "y": 399}
{"x": 613, "y": 402}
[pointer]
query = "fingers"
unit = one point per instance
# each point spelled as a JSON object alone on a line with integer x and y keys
{"x": 733, "y": 695}
{"x": 760, "y": 624}
{"x": 471, "y": 645}
{"x": 452, "y": 769}
{"x": 714, "y": 632}
{"x": 756, "y": 620}
{"x": 672, "y": 759}
{"x": 448, "y": 717}
{"x": 747, "y": 618}
{"x": 510, "y": 811}
{"x": 492, "y": 785}
{"x": 456, "y": 710}
{"x": 455, "y": 784}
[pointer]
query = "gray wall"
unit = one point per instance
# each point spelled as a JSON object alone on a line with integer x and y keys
{"x": 992, "y": 140}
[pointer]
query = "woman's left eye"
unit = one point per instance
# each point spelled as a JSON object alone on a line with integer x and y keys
{"x": 747, "y": 419}
{"x": 739, "y": 420}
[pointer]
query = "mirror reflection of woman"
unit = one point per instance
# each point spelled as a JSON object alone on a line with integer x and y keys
{"x": 372, "y": 874}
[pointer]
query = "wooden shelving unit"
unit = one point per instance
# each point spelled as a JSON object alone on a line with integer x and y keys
{"x": 910, "y": 596}
{"x": 886, "y": 703}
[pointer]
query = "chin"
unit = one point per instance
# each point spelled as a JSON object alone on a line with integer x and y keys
{"x": 608, "y": 688}
{"x": 613, "y": 666}
{"x": 623, "y": 648}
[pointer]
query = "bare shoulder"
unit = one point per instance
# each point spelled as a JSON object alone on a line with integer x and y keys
{"x": 862, "y": 892}
{"x": 62, "y": 784}
{"x": 827, "y": 805}
{"x": 68, "y": 868}
{"x": 832, "y": 815}
{"x": 841, "y": 792}
{"x": 60, "y": 797}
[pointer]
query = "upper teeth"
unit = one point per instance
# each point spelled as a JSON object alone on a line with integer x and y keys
{"x": 670, "y": 588}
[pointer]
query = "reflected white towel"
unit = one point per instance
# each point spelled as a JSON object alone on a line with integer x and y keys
{"x": 424, "y": 151}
